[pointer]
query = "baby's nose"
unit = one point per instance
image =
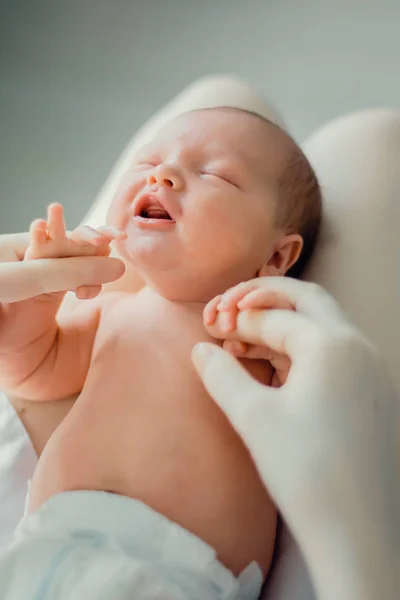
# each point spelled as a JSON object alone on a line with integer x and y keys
{"x": 165, "y": 176}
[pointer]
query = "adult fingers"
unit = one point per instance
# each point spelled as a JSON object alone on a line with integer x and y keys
{"x": 306, "y": 298}
{"x": 285, "y": 332}
{"x": 262, "y": 298}
{"x": 240, "y": 396}
{"x": 244, "y": 350}
{"x": 232, "y": 296}
{"x": 22, "y": 280}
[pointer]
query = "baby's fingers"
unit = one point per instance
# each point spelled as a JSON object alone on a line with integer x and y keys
{"x": 226, "y": 320}
{"x": 261, "y": 298}
{"x": 235, "y": 347}
{"x": 243, "y": 350}
{"x": 210, "y": 312}
{"x": 38, "y": 231}
{"x": 232, "y": 296}
{"x": 55, "y": 222}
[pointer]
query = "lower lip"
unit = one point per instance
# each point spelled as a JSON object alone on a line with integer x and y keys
{"x": 159, "y": 224}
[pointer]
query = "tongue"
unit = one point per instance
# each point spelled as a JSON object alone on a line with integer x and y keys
{"x": 157, "y": 212}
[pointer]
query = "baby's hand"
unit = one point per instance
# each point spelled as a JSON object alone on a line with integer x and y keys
{"x": 49, "y": 239}
{"x": 220, "y": 318}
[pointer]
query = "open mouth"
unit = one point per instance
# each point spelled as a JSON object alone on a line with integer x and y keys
{"x": 151, "y": 209}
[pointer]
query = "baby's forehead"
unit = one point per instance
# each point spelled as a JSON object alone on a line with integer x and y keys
{"x": 231, "y": 132}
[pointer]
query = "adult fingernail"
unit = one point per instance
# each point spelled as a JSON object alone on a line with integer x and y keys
{"x": 201, "y": 354}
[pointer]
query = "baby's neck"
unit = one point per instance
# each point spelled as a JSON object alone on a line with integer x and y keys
{"x": 193, "y": 305}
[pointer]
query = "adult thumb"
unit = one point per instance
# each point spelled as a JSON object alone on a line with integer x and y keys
{"x": 242, "y": 398}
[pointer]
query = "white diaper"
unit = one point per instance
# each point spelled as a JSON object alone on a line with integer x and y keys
{"x": 96, "y": 546}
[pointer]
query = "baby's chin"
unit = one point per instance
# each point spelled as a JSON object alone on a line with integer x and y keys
{"x": 131, "y": 280}
{"x": 140, "y": 263}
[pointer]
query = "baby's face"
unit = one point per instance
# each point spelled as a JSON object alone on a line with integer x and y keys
{"x": 197, "y": 204}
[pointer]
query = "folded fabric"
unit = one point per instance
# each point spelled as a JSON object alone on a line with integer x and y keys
{"x": 96, "y": 545}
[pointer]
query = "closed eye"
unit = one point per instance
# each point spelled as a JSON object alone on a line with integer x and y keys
{"x": 144, "y": 165}
{"x": 220, "y": 176}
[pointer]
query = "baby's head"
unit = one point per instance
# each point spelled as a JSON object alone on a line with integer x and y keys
{"x": 219, "y": 196}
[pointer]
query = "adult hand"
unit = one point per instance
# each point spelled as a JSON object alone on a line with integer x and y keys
{"x": 325, "y": 442}
{"x": 22, "y": 279}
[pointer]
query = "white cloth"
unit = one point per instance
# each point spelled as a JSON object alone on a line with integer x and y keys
{"x": 93, "y": 545}
{"x": 17, "y": 463}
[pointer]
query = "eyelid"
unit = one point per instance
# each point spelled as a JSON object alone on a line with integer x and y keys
{"x": 219, "y": 175}
{"x": 146, "y": 163}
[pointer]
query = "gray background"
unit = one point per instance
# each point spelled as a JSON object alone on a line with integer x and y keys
{"x": 78, "y": 77}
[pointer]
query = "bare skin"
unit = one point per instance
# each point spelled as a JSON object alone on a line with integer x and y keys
{"x": 143, "y": 425}
{"x": 163, "y": 450}
{"x": 179, "y": 454}
{"x": 39, "y": 419}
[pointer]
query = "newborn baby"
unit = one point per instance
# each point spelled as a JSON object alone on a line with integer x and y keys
{"x": 218, "y": 197}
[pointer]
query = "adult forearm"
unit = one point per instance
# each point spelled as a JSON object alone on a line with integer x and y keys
{"x": 354, "y": 562}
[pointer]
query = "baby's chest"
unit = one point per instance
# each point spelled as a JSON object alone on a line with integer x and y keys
{"x": 142, "y": 348}
{"x": 151, "y": 344}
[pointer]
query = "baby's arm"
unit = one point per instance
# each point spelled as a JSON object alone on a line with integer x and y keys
{"x": 41, "y": 358}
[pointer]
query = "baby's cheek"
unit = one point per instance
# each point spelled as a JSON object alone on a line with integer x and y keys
{"x": 111, "y": 217}
{"x": 217, "y": 236}
{"x": 115, "y": 214}
{"x": 121, "y": 205}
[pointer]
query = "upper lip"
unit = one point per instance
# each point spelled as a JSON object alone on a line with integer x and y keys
{"x": 146, "y": 199}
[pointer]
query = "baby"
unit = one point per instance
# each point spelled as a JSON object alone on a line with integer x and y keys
{"x": 220, "y": 196}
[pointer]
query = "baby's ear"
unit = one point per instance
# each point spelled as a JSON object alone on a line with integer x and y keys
{"x": 285, "y": 253}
